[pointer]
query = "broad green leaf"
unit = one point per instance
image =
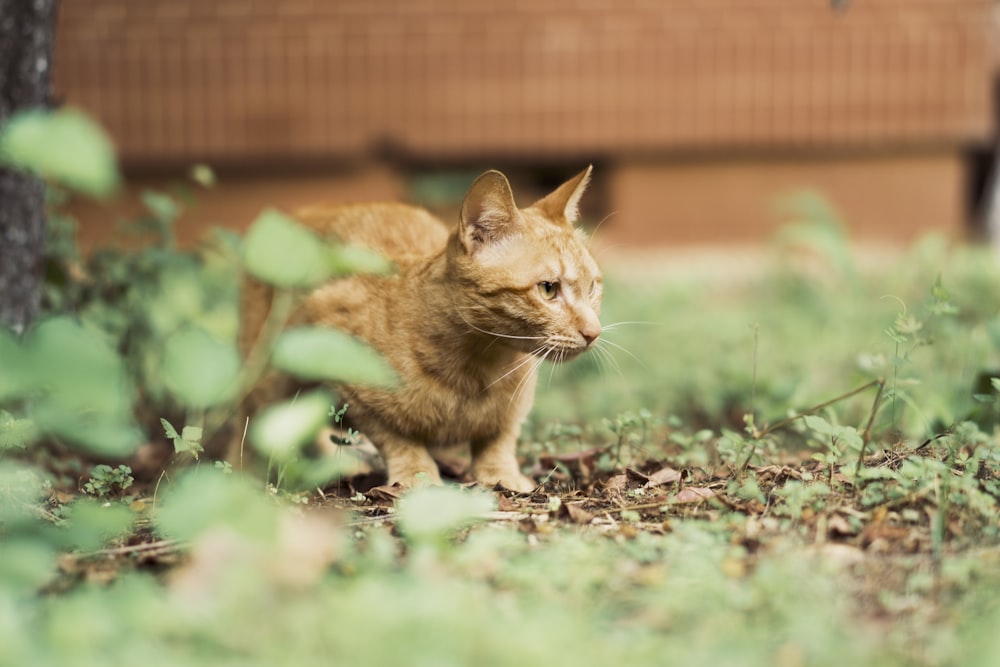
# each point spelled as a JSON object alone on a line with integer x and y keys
{"x": 25, "y": 565}
{"x": 282, "y": 430}
{"x": 21, "y": 486}
{"x": 818, "y": 424}
{"x": 64, "y": 145}
{"x": 189, "y": 440}
{"x": 93, "y": 523}
{"x": 163, "y": 207}
{"x": 205, "y": 500}
{"x": 280, "y": 251}
{"x": 321, "y": 353}
{"x": 84, "y": 395}
{"x": 346, "y": 259}
{"x": 102, "y": 434}
{"x": 199, "y": 370}
{"x": 16, "y": 433}
{"x": 430, "y": 513}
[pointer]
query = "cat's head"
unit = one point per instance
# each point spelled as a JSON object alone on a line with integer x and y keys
{"x": 526, "y": 276}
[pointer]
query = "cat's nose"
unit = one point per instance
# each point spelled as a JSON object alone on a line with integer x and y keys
{"x": 590, "y": 334}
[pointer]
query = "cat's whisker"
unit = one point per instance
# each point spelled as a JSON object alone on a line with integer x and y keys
{"x": 497, "y": 334}
{"x": 523, "y": 382}
{"x": 593, "y": 232}
{"x": 598, "y": 357}
{"x": 608, "y": 359}
{"x": 608, "y": 342}
{"x": 518, "y": 366}
{"x": 616, "y": 325}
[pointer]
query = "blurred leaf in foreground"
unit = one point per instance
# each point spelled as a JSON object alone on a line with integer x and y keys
{"x": 280, "y": 251}
{"x": 199, "y": 370}
{"x": 64, "y": 145}
{"x": 282, "y": 430}
{"x": 321, "y": 353}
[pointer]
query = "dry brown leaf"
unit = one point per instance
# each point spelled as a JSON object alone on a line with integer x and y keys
{"x": 665, "y": 475}
{"x": 615, "y": 485}
{"x": 384, "y": 493}
{"x": 636, "y": 476}
{"x": 693, "y": 494}
{"x": 506, "y": 504}
{"x": 586, "y": 455}
{"x": 576, "y": 513}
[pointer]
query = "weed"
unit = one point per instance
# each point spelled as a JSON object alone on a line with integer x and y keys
{"x": 107, "y": 482}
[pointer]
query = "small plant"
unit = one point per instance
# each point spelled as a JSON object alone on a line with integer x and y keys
{"x": 350, "y": 436}
{"x": 106, "y": 481}
{"x": 188, "y": 440}
{"x": 632, "y": 431}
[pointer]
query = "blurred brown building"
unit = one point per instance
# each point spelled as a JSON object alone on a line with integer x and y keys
{"x": 696, "y": 112}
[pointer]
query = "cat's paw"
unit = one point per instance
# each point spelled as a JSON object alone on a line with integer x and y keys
{"x": 514, "y": 481}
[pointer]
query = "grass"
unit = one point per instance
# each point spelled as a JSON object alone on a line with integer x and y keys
{"x": 798, "y": 465}
{"x": 669, "y": 524}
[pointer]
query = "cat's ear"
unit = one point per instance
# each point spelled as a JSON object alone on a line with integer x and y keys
{"x": 488, "y": 211}
{"x": 564, "y": 202}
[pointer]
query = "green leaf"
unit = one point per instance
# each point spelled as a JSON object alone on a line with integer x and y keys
{"x": 819, "y": 425}
{"x": 188, "y": 441}
{"x": 93, "y": 523}
{"x": 199, "y": 370}
{"x": 322, "y": 353}
{"x": 204, "y": 500}
{"x": 434, "y": 512}
{"x": 21, "y": 486}
{"x": 64, "y": 145}
{"x": 346, "y": 259}
{"x": 282, "y": 430}
{"x": 84, "y": 395}
{"x": 25, "y": 565}
{"x": 16, "y": 433}
{"x": 163, "y": 207}
{"x": 280, "y": 251}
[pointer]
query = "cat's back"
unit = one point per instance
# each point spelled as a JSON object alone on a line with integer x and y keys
{"x": 401, "y": 232}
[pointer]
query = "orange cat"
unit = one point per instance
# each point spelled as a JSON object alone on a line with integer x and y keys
{"x": 466, "y": 320}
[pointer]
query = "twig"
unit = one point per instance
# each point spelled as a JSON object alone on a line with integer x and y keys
{"x": 866, "y": 436}
{"x": 159, "y": 545}
{"x": 816, "y": 408}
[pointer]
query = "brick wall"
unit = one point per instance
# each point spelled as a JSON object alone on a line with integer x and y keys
{"x": 183, "y": 80}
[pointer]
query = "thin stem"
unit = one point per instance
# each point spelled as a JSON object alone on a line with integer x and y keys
{"x": 816, "y": 408}
{"x": 282, "y": 304}
{"x": 866, "y": 436}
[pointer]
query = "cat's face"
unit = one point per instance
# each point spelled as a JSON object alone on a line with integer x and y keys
{"x": 526, "y": 276}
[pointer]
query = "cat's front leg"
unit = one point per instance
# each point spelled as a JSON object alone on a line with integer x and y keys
{"x": 495, "y": 462}
{"x": 407, "y": 463}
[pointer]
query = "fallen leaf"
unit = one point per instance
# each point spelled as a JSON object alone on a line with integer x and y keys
{"x": 505, "y": 504}
{"x": 615, "y": 485}
{"x": 693, "y": 494}
{"x": 576, "y": 513}
{"x": 637, "y": 476}
{"x": 384, "y": 493}
{"x": 665, "y": 475}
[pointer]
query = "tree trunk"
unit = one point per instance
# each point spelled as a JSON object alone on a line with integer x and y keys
{"x": 26, "y": 33}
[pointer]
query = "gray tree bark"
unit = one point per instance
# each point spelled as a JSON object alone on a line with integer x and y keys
{"x": 26, "y": 34}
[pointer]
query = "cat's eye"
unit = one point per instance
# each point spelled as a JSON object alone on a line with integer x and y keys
{"x": 548, "y": 290}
